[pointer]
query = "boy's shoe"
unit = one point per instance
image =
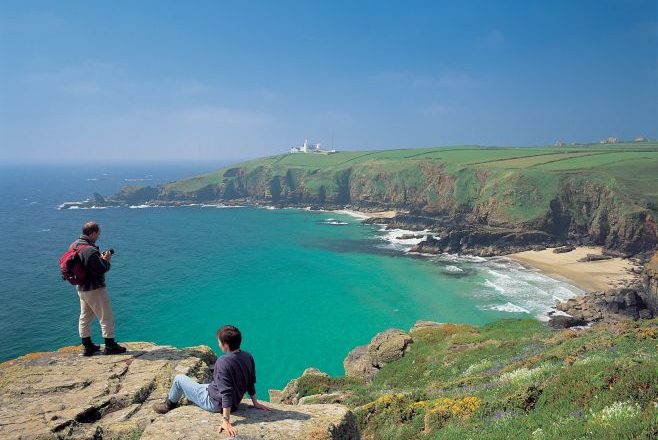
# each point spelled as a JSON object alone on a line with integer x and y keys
{"x": 164, "y": 407}
{"x": 111, "y": 347}
{"x": 88, "y": 347}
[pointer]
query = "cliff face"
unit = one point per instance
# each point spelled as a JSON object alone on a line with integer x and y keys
{"x": 650, "y": 280}
{"x": 564, "y": 206}
{"x": 62, "y": 395}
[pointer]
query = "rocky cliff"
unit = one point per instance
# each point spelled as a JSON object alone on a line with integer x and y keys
{"x": 650, "y": 282}
{"x": 508, "y": 379}
{"x": 61, "y": 395}
{"x": 483, "y": 200}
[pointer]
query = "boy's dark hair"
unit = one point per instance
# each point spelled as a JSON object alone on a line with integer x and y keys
{"x": 230, "y": 336}
{"x": 90, "y": 227}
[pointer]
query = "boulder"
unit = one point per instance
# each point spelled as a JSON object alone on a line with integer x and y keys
{"x": 363, "y": 362}
{"x": 284, "y": 422}
{"x": 563, "y": 249}
{"x": 62, "y": 395}
{"x": 388, "y": 346}
{"x": 565, "y": 321}
{"x": 422, "y": 325}
{"x": 358, "y": 364}
{"x": 290, "y": 394}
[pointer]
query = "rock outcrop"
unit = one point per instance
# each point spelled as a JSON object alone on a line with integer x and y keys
{"x": 365, "y": 361}
{"x": 62, "y": 395}
{"x": 611, "y": 305}
{"x": 290, "y": 394}
{"x": 650, "y": 283}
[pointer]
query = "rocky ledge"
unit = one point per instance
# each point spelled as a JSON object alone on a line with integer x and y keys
{"x": 62, "y": 395}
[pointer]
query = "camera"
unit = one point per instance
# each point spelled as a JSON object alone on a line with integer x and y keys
{"x": 110, "y": 251}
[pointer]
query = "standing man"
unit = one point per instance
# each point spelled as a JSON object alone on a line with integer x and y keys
{"x": 94, "y": 300}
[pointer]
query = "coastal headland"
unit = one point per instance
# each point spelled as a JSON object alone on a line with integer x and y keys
{"x": 483, "y": 201}
{"x": 582, "y": 213}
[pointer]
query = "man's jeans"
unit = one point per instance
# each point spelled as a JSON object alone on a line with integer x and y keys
{"x": 196, "y": 393}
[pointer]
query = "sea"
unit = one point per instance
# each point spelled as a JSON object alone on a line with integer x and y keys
{"x": 304, "y": 287}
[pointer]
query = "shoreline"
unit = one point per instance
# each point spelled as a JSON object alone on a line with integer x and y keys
{"x": 589, "y": 276}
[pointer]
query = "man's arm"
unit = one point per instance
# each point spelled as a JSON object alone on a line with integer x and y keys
{"x": 226, "y": 390}
{"x": 251, "y": 389}
{"x": 226, "y": 423}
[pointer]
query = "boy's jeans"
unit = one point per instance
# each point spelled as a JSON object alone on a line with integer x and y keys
{"x": 195, "y": 392}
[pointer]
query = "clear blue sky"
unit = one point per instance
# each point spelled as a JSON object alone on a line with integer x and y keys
{"x": 125, "y": 80}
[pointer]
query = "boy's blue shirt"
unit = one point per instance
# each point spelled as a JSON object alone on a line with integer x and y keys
{"x": 234, "y": 374}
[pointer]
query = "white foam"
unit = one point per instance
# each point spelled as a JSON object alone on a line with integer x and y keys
{"x": 140, "y": 206}
{"x": 394, "y": 240}
{"x": 524, "y": 288}
{"x": 355, "y": 214}
{"x": 453, "y": 269}
{"x": 220, "y": 205}
{"x": 509, "y": 307}
{"x": 332, "y": 221}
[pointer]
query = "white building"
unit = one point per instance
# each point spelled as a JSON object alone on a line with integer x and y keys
{"x": 610, "y": 140}
{"x": 306, "y": 147}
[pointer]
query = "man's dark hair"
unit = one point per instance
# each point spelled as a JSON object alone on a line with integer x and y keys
{"x": 90, "y": 227}
{"x": 230, "y": 336}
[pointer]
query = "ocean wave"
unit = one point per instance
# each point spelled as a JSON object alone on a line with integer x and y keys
{"x": 351, "y": 213}
{"x": 528, "y": 289}
{"x": 220, "y": 205}
{"x": 332, "y": 221}
{"x": 137, "y": 179}
{"x": 402, "y": 239}
{"x": 84, "y": 207}
{"x": 453, "y": 269}
{"x": 459, "y": 258}
{"x": 509, "y": 307}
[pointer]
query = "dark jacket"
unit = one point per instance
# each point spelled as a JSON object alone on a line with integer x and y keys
{"x": 235, "y": 373}
{"x": 93, "y": 263}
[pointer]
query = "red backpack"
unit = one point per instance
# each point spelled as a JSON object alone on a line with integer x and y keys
{"x": 70, "y": 265}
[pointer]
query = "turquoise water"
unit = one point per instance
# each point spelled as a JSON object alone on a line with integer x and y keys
{"x": 303, "y": 287}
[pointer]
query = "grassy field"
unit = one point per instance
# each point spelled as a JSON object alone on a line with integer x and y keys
{"x": 595, "y": 157}
{"x": 512, "y": 379}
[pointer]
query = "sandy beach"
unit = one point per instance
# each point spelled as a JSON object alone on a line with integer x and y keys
{"x": 369, "y": 214}
{"x": 589, "y": 276}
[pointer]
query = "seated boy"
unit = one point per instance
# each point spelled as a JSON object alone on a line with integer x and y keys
{"x": 235, "y": 373}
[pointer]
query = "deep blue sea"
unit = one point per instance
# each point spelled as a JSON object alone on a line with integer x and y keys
{"x": 304, "y": 287}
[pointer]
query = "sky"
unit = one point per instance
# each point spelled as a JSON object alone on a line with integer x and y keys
{"x": 214, "y": 80}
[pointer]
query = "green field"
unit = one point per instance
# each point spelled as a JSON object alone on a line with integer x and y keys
{"x": 594, "y": 157}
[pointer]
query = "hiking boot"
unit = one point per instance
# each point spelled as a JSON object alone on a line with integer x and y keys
{"x": 89, "y": 348}
{"x": 111, "y": 347}
{"x": 164, "y": 407}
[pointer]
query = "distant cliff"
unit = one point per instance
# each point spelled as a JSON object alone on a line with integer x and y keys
{"x": 593, "y": 194}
